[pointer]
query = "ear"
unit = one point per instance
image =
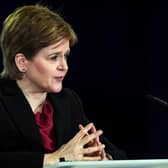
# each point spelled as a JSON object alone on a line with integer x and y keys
{"x": 21, "y": 61}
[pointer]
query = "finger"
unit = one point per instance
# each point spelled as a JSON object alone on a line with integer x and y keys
{"x": 94, "y": 142}
{"x": 91, "y": 137}
{"x": 91, "y": 158}
{"x": 84, "y": 131}
{"x": 109, "y": 157}
{"x": 103, "y": 154}
{"x": 90, "y": 150}
{"x": 93, "y": 129}
{"x": 91, "y": 143}
{"x": 81, "y": 126}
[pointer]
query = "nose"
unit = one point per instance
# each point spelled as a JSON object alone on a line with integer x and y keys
{"x": 62, "y": 66}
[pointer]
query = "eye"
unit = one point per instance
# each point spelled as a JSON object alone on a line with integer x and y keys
{"x": 54, "y": 57}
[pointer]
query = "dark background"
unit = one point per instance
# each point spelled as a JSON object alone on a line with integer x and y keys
{"x": 121, "y": 56}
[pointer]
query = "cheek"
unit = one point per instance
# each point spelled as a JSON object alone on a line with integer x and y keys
{"x": 42, "y": 68}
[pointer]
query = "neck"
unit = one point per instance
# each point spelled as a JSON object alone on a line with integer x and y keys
{"x": 35, "y": 97}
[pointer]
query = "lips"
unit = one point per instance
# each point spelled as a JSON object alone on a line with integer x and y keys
{"x": 59, "y": 78}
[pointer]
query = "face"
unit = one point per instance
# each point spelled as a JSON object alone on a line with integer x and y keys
{"x": 47, "y": 69}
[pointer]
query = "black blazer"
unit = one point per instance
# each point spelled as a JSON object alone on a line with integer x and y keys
{"x": 20, "y": 140}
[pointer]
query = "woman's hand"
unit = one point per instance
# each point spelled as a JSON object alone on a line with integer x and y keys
{"x": 97, "y": 142}
{"x": 76, "y": 149}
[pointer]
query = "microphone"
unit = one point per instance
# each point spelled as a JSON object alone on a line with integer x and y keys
{"x": 156, "y": 100}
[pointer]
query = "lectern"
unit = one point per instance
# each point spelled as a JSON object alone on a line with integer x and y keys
{"x": 148, "y": 163}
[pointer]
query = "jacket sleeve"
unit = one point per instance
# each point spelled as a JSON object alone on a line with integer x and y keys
{"x": 111, "y": 149}
{"x": 21, "y": 159}
{"x": 115, "y": 152}
{"x": 10, "y": 157}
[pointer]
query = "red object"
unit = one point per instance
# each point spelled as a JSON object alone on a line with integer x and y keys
{"x": 44, "y": 121}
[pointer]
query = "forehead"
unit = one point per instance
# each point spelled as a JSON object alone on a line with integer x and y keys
{"x": 62, "y": 44}
{"x": 61, "y": 47}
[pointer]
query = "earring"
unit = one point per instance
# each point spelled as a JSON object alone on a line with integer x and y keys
{"x": 23, "y": 70}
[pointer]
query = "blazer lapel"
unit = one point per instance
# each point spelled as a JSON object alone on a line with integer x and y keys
{"x": 61, "y": 117}
{"x": 22, "y": 115}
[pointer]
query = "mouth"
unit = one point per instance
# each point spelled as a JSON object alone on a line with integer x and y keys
{"x": 59, "y": 78}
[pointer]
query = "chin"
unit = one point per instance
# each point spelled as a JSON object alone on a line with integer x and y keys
{"x": 56, "y": 89}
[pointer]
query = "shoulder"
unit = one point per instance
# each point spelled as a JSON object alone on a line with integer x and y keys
{"x": 8, "y": 87}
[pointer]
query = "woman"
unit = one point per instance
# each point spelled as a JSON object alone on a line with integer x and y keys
{"x": 40, "y": 121}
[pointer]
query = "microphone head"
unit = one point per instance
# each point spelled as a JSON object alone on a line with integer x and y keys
{"x": 156, "y": 100}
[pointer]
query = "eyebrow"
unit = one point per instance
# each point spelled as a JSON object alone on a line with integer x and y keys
{"x": 58, "y": 53}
